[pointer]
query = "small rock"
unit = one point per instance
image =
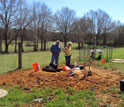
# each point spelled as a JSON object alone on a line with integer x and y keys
{"x": 38, "y": 100}
{"x": 3, "y": 93}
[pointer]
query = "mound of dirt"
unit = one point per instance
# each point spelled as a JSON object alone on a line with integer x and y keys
{"x": 100, "y": 79}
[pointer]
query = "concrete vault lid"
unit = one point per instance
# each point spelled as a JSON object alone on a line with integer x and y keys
{"x": 3, "y": 93}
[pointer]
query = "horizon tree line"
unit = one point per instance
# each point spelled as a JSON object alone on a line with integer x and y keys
{"x": 36, "y": 22}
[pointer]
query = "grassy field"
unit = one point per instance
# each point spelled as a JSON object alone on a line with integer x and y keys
{"x": 49, "y": 96}
{"x": 9, "y": 62}
{"x": 118, "y": 53}
{"x": 52, "y": 97}
{"x": 30, "y": 49}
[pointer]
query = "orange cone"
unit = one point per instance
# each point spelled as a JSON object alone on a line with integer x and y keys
{"x": 103, "y": 60}
{"x": 36, "y": 66}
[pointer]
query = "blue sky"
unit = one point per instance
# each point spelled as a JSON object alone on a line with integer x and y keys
{"x": 115, "y": 8}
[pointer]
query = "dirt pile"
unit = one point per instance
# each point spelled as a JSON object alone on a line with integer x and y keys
{"x": 100, "y": 79}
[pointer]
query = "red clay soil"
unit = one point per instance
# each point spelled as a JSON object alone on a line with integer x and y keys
{"x": 101, "y": 80}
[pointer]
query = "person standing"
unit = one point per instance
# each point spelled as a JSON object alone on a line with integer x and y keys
{"x": 55, "y": 50}
{"x": 68, "y": 52}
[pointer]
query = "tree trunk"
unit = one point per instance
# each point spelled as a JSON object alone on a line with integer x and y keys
{"x": 90, "y": 40}
{"x": 6, "y": 47}
{"x": 79, "y": 45}
{"x": 41, "y": 44}
{"x": 36, "y": 42}
{"x": 115, "y": 43}
{"x": 35, "y": 45}
{"x": 16, "y": 35}
{"x": 37, "y": 38}
{"x": 104, "y": 40}
{"x": 22, "y": 44}
{"x": 97, "y": 39}
{"x": 15, "y": 45}
{"x": 6, "y": 44}
{"x": 0, "y": 46}
{"x": 22, "y": 39}
{"x": 65, "y": 40}
{"x": 44, "y": 44}
{"x": 82, "y": 45}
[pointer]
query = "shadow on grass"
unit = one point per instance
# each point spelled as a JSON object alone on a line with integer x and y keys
{"x": 14, "y": 70}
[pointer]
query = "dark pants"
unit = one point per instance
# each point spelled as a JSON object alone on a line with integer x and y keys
{"x": 68, "y": 59}
{"x": 55, "y": 57}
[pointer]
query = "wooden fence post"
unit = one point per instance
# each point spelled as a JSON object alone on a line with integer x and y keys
{"x": 80, "y": 54}
{"x": 20, "y": 55}
{"x": 107, "y": 53}
{"x": 111, "y": 52}
{"x": 84, "y": 53}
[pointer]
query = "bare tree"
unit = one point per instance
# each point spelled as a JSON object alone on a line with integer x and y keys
{"x": 23, "y": 20}
{"x": 84, "y": 25}
{"x": 107, "y": 27}
{"x": 1, "y": 37}
{"x": 100, "y": 23}
{"x": 16, "y": 34}
{"x": 76, "y": 32}
{"x": 45, "y": 17}
{"x": 41, "y": 24}
{"x": 120, "y": 36}
{"x": 64, "y": 20}
{"x": 8, "y": 10}
{"x": 35, "y": 25}
{"x": 80, "y": 30}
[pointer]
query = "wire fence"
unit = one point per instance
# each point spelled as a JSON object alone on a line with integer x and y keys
{"x": 9, "y": 62}
{"x": 86, "y": 53}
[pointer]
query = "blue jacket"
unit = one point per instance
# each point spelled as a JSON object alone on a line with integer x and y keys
{"x": 55, "y": 49}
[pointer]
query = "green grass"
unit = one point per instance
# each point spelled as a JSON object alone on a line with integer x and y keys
{"x": 30, "y": 49}
{"x": 17, "y": 97}
{"x": 50, "y": 96}
{"x": 113, "y": 66}
{"x": 9, "y": 62}
{"x": 12, "y": 46}
{"x": 53, "y": 97}
{"x": 122, "y": 97}
{"x": 118, "y": 53}
{"x": 78, "y": 99}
